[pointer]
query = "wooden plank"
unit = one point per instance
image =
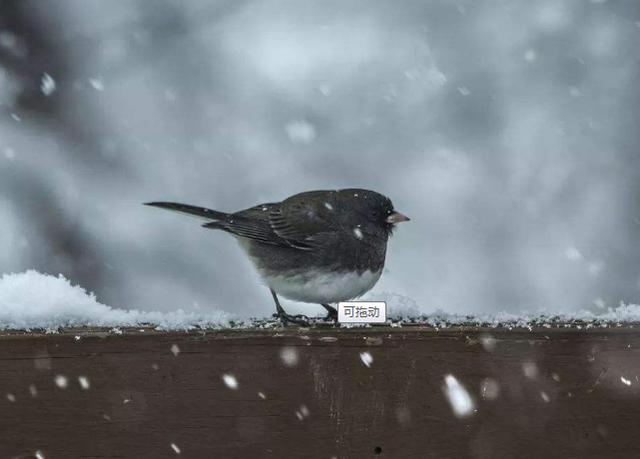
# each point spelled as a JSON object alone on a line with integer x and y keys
{"x": 560, "y": 393}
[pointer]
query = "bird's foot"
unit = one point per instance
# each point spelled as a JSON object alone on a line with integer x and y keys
{"x": 298, "y": 319}
{"x": 332, "y": 313}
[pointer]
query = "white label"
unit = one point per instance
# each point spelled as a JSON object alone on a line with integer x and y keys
{"x": 362, "y": 312}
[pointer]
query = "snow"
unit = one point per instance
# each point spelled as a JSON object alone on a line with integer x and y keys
{"x": 289, "y": 356}
{"x": 625, "y": 381}
{"x": 300, "y": 132}
{"x": 458, "y": 397}
{"x": 32, "y": 300}
{"x": 33, "y": 390}
{"x": 357, "y": 232}
{"x": 230, "y": 381}
{"x": 303, "y": 412}
{"x": 530, "y": 370}
{"x": 84, "y": 382}
{"x": 39, "y": 455}
{"x": 47, "y": 85}
{"x": 61, "y": 381}
{"x": 175, "y": 448}
{"x": 262, "y": 396}
{"x": 175, "y": 350}
{"x": 96, "y": 84}
{"x": 11, "y": 398}
{"x": 366, "y": 358}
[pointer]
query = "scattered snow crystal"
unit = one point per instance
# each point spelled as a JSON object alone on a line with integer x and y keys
{"x": 84, "y": 382}
{"x": 96, "y": 84}
{"x": 61, "y": 381}
{"x": 573, "y": 254}
{"x": 303, "y": 412}
{"x": 458, "y": 397}
{"x": 366, "y": 358}
{"x": 9, "y": 153}
{"x": 47, "y": 85}
{"x": 289, "y": 356}
{"x": 530, "y": 55}
{"x": 488, "y": 343}
{"x": 300, "y": 132}
{"x": 530, "y": 370}
{"x": 230, "y": 381}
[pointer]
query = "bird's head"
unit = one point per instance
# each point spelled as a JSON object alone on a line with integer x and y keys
{"x": 374, "y": 209}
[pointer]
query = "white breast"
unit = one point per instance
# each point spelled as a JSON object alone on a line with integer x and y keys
{"x": 323, "y": 287}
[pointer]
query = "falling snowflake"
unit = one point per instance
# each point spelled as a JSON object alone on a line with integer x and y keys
{"x": 175, "y": 350}
{"x": 261, "y": 395}
{"x": 544, "y": 396}
{"x": 357, "y": 232}
{"x": 328, "y": 206}
{"x": 96, "y": 84}
{"x": 61, "y": 381}
{"x": 625, "y": 381}
{"x": 289, "y": 356}
{"x": 303, "y": 412}
{"x": 458, "y": 397}
{"x": 175, "y": 448}
{"x": 11, "y": 398}
{"x": 39, "y": 455}
{"x": 230, "y": 381}
{"x": 84, "y": 382}
{"x": 530, "y": 55}
{"x": 300, "y": 132}
{"x": 464, "y": 90}
{"x": 9, "y": 153}
{"x": 573, "y": 254}
{"x": 33, "y": 391}
{"x": 366, "y": 358}
{"x": 47, "y": 84}
{"x": 488, "y": 343}
{"x": 530, "y": 370}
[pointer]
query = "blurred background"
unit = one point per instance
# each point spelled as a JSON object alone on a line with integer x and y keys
{"x": 507, "y": 130}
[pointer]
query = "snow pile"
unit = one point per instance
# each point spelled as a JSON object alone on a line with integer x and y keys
{"x": 34, "y": 300}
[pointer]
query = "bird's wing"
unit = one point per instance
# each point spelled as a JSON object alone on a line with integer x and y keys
{"x": 305, "y": 220}
{"x": 297, "y": 222}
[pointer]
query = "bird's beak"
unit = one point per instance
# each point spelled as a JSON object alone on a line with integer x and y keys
{"x": 397, "y": 217}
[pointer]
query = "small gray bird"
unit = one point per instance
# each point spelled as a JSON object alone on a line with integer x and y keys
{"x": 315, "y": 247}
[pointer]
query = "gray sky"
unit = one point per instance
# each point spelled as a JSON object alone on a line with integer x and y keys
{"x": 507, "y": 130}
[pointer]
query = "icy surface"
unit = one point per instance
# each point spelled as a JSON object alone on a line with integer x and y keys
{"x": 33, "y": 300}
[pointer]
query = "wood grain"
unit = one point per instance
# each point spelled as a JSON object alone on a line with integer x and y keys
{"x": 561, "y": 393}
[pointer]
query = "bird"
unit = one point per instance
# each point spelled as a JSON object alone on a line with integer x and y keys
{"x": 322, "y": 246}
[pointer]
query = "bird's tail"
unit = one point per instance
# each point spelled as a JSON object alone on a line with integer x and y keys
{"x": 209, "y": 215}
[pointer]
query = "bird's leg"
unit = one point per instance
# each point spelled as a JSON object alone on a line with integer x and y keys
{"x": 286, "y": 318}
{"x": 332, "y": 313}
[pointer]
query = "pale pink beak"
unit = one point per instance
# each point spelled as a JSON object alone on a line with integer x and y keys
{"x": 397, "y": 217}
